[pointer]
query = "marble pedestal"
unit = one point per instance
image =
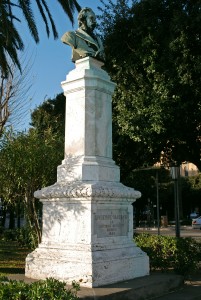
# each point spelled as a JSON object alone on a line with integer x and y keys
{"x": 87, "y": 232}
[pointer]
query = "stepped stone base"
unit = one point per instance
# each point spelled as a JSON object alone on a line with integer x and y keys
{"x": 87, "y": 235}
{"x": 89, "y": 268}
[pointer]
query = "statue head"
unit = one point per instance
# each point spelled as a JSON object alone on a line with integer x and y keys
{"x": 87, "y": 19}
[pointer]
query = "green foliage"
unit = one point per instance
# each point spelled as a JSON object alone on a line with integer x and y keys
{"x": 10, "y": 39}
{"x": 26, "y": 237}
{"x": 50, "y": 114}
{"x": 48, "y": 289}
{"x": 145, "y": 181}
{"x": 191, "y": 190}
{"x": 8, "y": 235}
{"x": 153, "y": 51}
{"x": 166, "y": 253}
{"x": 28, "y": 162}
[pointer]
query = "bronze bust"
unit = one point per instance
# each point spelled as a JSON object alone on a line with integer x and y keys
{"x": 83, "y": 41}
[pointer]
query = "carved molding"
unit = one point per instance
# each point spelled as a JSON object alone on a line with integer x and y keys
{"x": 87, "y": 190}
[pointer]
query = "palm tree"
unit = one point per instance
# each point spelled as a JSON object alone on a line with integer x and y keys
{"x": 10, "y": 39}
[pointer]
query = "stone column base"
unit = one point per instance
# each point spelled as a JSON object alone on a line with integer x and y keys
{"x": 87, "y": 235}
{"x": 88, "y": 268}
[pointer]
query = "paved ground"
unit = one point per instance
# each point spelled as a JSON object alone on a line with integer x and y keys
{"x": 190, "y": 291}
{"x": 156, "y": 286}
{"x": 185, "y": 231}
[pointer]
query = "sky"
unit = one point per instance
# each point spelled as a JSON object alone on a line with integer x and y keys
{"x": 50, "y": 59}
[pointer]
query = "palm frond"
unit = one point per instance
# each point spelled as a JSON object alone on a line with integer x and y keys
{"x": 10, "y": 40}
{"x": 51, "y": 19}
{"x": 12, "y": 52}
{"x": 69, "y": 7}
{"x": 77, "y": 6}
{"x": 4, "y": 67}
{"x": 40, "y": 7}
{"x": 25, "y": 6}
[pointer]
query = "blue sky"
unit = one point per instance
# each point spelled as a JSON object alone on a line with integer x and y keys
{"x": 51, "y": 58}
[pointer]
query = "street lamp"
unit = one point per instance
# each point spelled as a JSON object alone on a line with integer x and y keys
{"x": 175, "y": 174}
{"x": 158, "y": 204}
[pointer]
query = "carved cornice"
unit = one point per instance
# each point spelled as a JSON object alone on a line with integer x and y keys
{"x": 87, "y": 190}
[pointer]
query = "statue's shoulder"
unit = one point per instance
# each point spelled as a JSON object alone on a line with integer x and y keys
{"x": 69, "y": 36}
{"x": 80, "y": 33}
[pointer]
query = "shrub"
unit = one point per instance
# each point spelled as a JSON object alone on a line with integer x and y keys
{"x": 49, "y": 289}
{"x": 8, "y": 235}
{"x": 27, "y": 237}
{"x": 166, "y": 253}
{"x": 1, "y": 230}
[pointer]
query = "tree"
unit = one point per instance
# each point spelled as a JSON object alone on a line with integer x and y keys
{"x": 146, "y": 180}
{"x": 29, "y": 160}
{"x": 50, "y": 114}
{"x": 153, "y": 50}
{"x": 14, "y": 94}
{"x": 10, "y": 40}
{"x": 190, "y": 190}
{"x": 28, "y": 163}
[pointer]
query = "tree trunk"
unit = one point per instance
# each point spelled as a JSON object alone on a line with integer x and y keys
{"x": 36, "y": 221}
{"x": 32, "y": 216}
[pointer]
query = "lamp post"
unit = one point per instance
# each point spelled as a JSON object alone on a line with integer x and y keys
{"x": 175, "y": 173}
{"x": 157, "y": 205}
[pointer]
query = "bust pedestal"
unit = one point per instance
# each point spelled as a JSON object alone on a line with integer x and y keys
{"x": 87, "y": 232}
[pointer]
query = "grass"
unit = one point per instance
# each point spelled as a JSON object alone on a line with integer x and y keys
{"x": 12, "y": 257}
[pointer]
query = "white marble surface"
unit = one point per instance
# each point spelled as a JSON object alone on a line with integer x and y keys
{"x": 85, "y": 168}
{"x": 87, "y": 232}
{"x": 88, "y": 129}
{"x": 88, "y": 239}
{"x": 88, "y": 92}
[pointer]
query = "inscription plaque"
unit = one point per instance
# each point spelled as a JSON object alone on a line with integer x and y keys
{"x": 111, "y": 222}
